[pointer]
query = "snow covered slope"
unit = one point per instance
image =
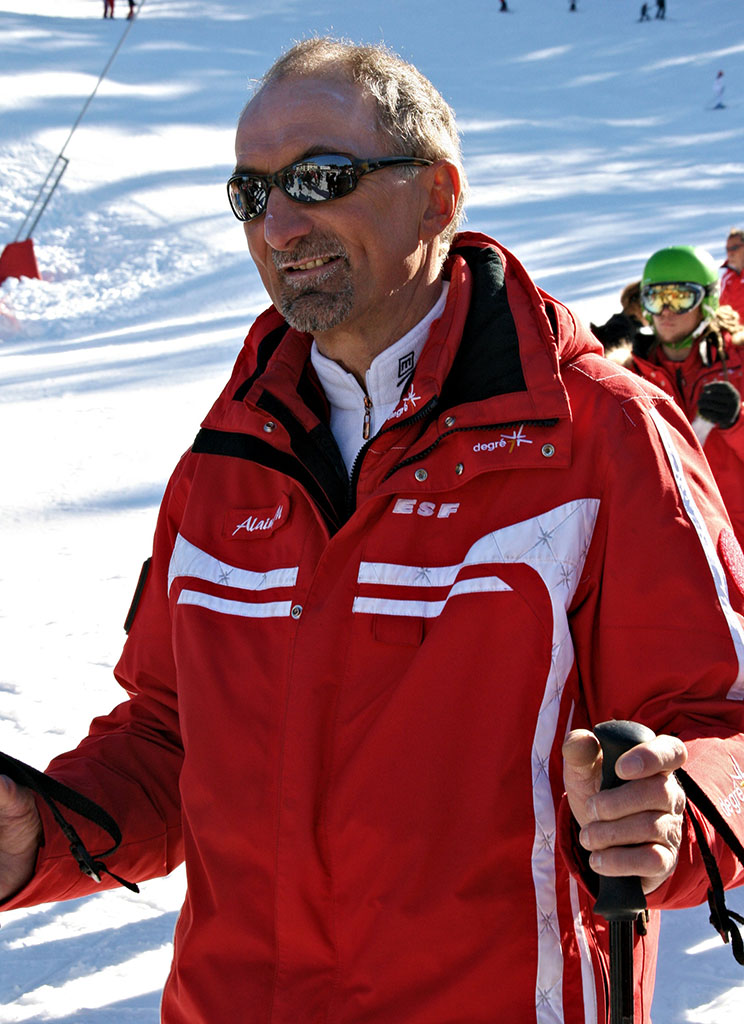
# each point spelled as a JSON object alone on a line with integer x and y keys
{"x": 589, "y": 140}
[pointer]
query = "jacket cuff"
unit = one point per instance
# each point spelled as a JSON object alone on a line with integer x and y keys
{"x": 56, "y": 874}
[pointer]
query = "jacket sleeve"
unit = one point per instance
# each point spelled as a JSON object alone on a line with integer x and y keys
{"x": 130, "y": 761}
{"x": 657, "y": 625}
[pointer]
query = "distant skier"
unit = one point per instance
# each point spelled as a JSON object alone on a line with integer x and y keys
{"x": 131, "y": 10}
{"x": 503, "y": 6}
{"x": 718, "y": 88}
{"x": 661, "y": 8}
{"x": 572, "y": 5}
{"x": 644, "y": 13}
{"x": 108, "y": 8}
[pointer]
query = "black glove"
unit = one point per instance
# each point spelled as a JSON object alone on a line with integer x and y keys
{"x": 720, "y": 403}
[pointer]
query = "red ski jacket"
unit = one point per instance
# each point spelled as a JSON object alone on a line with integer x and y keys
{"x": 732, "y": 290}
{"x": 724, "y": 449}
{"x": 347, "y": 699}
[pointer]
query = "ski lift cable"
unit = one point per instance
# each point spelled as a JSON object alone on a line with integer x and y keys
{"x": 60, "y": 156}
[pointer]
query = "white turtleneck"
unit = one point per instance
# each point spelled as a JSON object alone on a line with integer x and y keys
{"x": 384, "y": 382}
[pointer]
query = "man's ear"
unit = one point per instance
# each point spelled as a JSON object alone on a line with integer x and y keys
{"x": 443, "y": 195}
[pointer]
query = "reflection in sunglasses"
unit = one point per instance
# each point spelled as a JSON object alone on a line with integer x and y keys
{"x": 315, "y": 180}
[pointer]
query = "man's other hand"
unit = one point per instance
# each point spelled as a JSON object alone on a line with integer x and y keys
{"x": 20, "y": 836}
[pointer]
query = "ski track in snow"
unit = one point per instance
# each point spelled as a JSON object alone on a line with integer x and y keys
{"x": 589, "y": 143}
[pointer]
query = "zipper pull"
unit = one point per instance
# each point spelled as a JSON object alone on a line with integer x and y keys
{"x": 367, "y": 417}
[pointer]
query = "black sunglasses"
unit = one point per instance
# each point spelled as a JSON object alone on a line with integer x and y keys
{"x": 315, "y": 180}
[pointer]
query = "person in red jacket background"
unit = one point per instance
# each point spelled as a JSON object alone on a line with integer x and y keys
{"x": 696, "y": 355}
{"x": 426, "y": 537}
{"x": 732, "y": 281}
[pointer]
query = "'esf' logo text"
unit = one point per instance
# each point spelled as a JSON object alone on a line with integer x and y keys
{"x": 409, "y": 506}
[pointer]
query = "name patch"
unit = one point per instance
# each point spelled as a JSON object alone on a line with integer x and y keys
{"x": 251, "y": 523}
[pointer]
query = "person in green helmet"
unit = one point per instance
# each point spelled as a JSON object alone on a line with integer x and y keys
{"x": 696, "y": 355}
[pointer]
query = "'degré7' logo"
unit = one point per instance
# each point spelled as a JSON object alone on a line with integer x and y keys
{"x": 511, "y": 441}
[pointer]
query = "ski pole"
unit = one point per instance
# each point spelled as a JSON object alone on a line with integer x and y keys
{"x": 620, "y": 900}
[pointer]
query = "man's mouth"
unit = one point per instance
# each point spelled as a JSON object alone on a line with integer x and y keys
{"x": 309, "y": 256}
{"x": 310, "y": 264}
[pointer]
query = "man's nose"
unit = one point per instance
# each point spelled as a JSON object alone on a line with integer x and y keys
{"x": 285, "y": 220}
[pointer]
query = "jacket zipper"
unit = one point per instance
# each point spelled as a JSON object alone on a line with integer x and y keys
{"x": 423, "y": 412}
{"x": 367, "y": 416}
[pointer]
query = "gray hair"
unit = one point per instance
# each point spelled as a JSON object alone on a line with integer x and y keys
{"x": 414, "y": 115}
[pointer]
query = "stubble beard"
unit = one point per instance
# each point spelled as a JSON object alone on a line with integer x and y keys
{"x": 313, "y": 308}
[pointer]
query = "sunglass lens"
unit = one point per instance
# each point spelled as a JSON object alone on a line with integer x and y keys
{"x": 247, "y": 197}
{"x": 312, "y": 181}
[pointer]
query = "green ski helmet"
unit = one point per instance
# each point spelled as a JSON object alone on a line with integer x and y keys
{"x": 684, "y": 264}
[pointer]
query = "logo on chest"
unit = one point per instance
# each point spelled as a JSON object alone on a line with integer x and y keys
{"x": 409, "y": 506}
{"x": 249, "y": 524}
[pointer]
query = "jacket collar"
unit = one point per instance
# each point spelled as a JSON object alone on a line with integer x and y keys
{"x": 495, "y": 351}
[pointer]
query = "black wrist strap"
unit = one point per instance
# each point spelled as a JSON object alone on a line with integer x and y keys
{"x": 54, "y": 793}
{"x": 721, "y": 917}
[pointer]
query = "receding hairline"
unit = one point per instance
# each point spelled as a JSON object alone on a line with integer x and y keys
{"x": 335, "y": 58}
{"x": 392, "y": 82}
{"x": 322, "y": 75}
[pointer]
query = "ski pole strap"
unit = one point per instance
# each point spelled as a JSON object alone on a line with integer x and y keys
{"x": 53, "y": 793}
{"x": 721, "y": 917}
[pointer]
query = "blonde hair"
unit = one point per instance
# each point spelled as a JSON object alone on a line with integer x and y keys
{"x": 727, "y": 319}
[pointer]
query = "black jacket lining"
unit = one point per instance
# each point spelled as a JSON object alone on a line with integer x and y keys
{"x": 487, "y": 362}
{"x": 317, "y": 449}
{"x": 267, "y": 347}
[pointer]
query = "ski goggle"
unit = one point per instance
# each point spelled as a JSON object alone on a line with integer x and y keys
{"x": 679, "y": 297}
{"x": 317, "y": 179}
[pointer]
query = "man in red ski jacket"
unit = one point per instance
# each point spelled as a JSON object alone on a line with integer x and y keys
{"x": 425, "y": 538}
{"x": 732, "y": 281}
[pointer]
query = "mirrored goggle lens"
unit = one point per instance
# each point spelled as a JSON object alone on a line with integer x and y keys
{"x": 308, "y": 181}
{"x": 679, "y": 298}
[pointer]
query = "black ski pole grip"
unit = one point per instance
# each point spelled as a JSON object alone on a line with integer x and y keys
{"x": 621, "y": 898}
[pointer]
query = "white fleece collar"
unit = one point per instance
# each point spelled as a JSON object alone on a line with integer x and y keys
{"x": 384, "y": 382}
